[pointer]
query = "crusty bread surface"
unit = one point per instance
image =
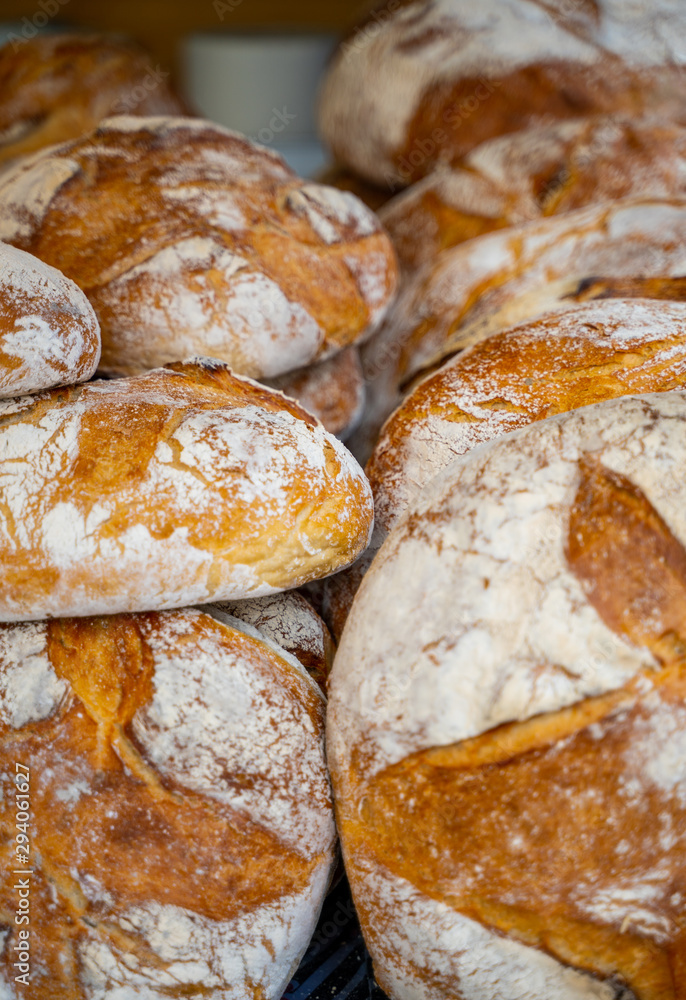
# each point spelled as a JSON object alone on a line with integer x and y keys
{"x": 506, "y": 719}
{"x": 49, "y": 334}
{"x": 209, "y": 245}
{"x": 183, "y": 485}
{"x": 181, "y": 836}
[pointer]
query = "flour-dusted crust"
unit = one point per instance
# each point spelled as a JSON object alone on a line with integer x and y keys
{"x": 55, "y": 87}
{"x": 596, "y": 351}
{"x": 210, "y": 245}
{"x": 181, "y": 831}
{"x": 174, "y": 487}
{"x": 506, "y": 718}
{"x": 289, "y": 620}
{"x": 332, "y": 390}
{"x": 426, "y": 81}
{"x": 539, "y": 171}
{"x": 500, "y": 279}
{"x": 48, "y": 331}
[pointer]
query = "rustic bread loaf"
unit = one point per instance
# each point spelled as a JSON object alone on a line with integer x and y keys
{"x": 289, "y": 620}
{"x": 426, "y": 81}
{"x": 55, "y": 87}
{"x": 506, "y": 719}
{"x": 180, "y": 833}
{"x": 596, "y": 351}
{"x": 48, "y": 331}
{"x": 540, "y": 171}
{"x": 209, "y": 245}
{"x": 500, "y": 279}
{"x": 183, "y": 485}
{"x": 333, "y": 390}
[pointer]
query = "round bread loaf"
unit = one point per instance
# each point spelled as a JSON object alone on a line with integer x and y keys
{"x": 540, "y": 171}
{"x": 333, "y": 390}
{"x": 289, "y": 620}
{"x": 506, "y": 719}
{"x": 183, "y": 485}
{"x": 596, "y": 351}
{"x": 209, "y": 245}
{"x": 48, "y": 331}
{"x": 180, "y": 837}
{"x": 427, "y": 81}
{"x": 55, "y": 87}
{"x": 500, "y": 279}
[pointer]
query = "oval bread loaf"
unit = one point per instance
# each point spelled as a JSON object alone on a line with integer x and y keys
{"x": 507, "y": 716}
{"x": 184, "y": 485}
{"x": 539, "y": 171}
{"x": 48, "y": 331}
{"x": 56, "y": 86}
{"x": 289, "y": 620}
{"x": 332, "y": 390}
{"x": 181, "y": 835}
{"x": 210, "y": 245}
{"x": 596, "y": 351}
{"x": 424, "y": 82}
{"x": 500, "y": 279}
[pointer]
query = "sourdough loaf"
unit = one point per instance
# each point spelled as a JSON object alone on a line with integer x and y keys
{"x": 333, "y": 390}
{"x": 57, "y": 86}
{"x": 599, "y": 350}
{"x": 289, "y": 620}
{"x": 48, "y": 331}
{"x": 500, "y": 279}
{"x": 179, "y": 486}
{"x": 506, "y": 719}
{"x": 181, "y": 834}
{"x": 540, "y": 171}
{"x": 424, "y": 82}
{"x": 209, "y": 245}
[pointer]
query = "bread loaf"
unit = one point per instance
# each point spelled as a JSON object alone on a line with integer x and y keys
{"x": 333, "y": 390}
{"x": 597, "y": 351}
{"x": 425, "y": 82}
{"x": 289, "y": 620}
{"x": 56, "y": 86}
{"x": 506, "y": 719}
{"x": 183, "y": 485}
{"x": 48, "y": 331}
{"x": 209, "y": 245}
{"x": 180, "y": 834}
{"x": 540, "y": 171}
{"x": 500, "y": 279}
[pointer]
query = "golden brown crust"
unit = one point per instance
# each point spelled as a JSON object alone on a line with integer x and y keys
{"x": 48, "y": 331}
{"x": 429, "y": 81}
{"x": 289, "y": 620}
{"x": 170, "y": 488}
{"x": 55, "y": 87}
{"x": 595, "y": 351}
{"x": 541, "y": 852}
{"x": 346, "y": 180}
{"x": 128, "y": 831}
{"x": 210, "y": 245}
{"x": 536, "y": 172}
{"x": 333, "y": 390}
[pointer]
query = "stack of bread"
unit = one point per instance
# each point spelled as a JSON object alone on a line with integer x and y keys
{"x": 507, "y": 708}
{"x": 209, "y": 243}
{"x": 506, "y": 724}
{"x": 167, "y": 821}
